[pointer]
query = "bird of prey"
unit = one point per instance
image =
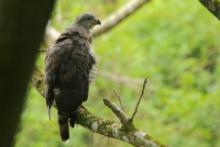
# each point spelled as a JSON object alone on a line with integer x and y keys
{"x": 68, "y": 67}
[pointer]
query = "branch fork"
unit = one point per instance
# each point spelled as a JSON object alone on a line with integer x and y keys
{"x": 127, "y": 123}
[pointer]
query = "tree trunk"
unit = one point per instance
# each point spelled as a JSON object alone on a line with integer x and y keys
{"x": 22, "y": 25}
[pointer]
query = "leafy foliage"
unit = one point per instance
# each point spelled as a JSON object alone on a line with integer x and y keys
{"x": 175, "y": 44}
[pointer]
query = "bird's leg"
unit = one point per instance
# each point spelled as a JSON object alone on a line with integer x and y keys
{"x": 73, "y": 116}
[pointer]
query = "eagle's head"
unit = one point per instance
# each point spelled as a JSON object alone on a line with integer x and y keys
{"x": 87, "y": 20}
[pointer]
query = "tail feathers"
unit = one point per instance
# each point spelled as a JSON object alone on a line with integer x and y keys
{"x": 63, "y": 125}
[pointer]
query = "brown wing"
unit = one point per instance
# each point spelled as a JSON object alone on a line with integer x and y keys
{"x": 53, "y": 60}
{"x": 67, "y": 68}
{"x": 73, "y": 78}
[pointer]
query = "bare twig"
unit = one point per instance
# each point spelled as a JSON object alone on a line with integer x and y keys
{"x": 108, "y": 128}
{"x": 139, "y": 100}
{"x": 119, "y": 99}
{"x": 213, "y": 6}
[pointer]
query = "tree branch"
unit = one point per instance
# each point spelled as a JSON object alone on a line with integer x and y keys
{"x": 51, "y": 35}
{"x": 117, "y": 111}
{"x": 124, "y": 131}
{"x": 117, "y": 17}
{"x": 213, "y": 6}
{"x": 139, "y": 100}
{"x": 119, "y": 99}
{"x": 109, "y": 23}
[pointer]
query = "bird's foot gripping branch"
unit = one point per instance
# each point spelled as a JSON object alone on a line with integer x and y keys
{"x": 124, "y": 131}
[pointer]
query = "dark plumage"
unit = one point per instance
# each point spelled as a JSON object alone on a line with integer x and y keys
{"x": 69, "y": 63}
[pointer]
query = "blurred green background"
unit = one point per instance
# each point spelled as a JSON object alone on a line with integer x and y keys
{"x": 175, "y": 44}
